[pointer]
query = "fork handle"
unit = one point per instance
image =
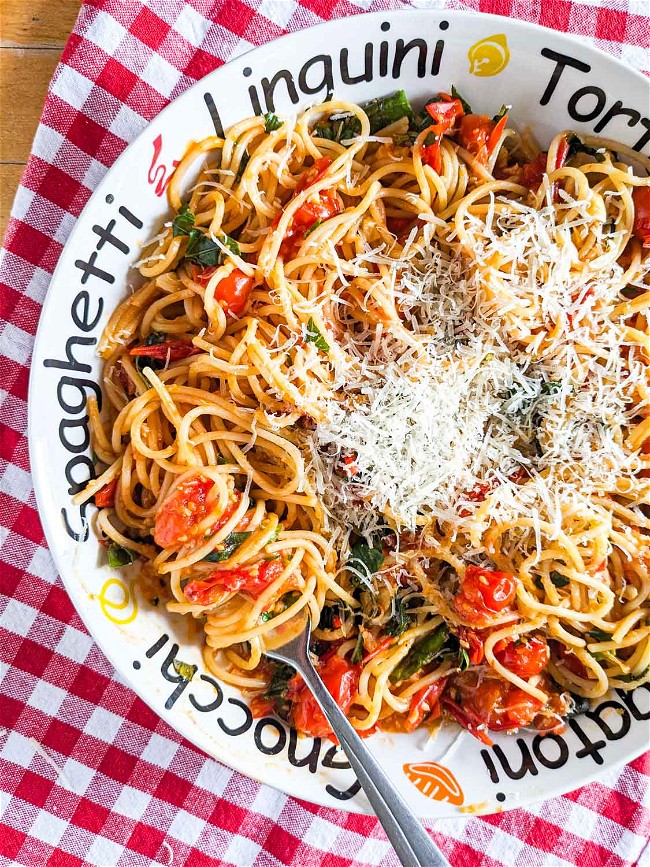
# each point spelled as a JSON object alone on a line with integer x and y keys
{"x": 413, "y": 845}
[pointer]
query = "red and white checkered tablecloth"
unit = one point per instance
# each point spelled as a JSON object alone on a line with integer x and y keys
{"x": 88, "y": 774}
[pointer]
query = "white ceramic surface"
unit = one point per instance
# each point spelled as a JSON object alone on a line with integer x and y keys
{"x": 553, "y": 83}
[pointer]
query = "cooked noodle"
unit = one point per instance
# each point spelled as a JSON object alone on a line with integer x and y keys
{"x": 262, "y": 473}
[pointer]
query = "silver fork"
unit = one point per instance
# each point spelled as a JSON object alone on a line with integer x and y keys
{"x": 413, "y": 845}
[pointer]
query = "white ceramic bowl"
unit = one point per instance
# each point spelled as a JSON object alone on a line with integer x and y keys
{"x": 553, "y": 83}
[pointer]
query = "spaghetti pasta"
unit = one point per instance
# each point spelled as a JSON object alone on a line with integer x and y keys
{"x": 392, "y": 368}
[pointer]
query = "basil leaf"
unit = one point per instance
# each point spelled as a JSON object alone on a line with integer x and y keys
{"x": 313, "y": 335}
{"x": 119, "y": 556}
{"x": 503, "y": 111}
{"x": 230, "y": 545}
{"x": 577, "y": 146}
{"x": 467, "y": 108}
{"x": 463, "y": 659}
{"x": 399, "y": 621}
{"x": 205, "y": 252}
{"x": 244, "y": 161}
{"x": 184, "y": 669}
{"x": 558, "y": 579}
{"x": 183, "y": 221}
{"x": 430, "y": 139}
{"x": 551, "y": 387}
{"x": 632, "y": 678}
{"x": 599, "y": 634}
{"x": 272, "y": 122}
{"x": 365, "y": 560}
{"x": 313, "y": 228}
{"x": 277, "y": 688}
{"x": 357, "y": 653}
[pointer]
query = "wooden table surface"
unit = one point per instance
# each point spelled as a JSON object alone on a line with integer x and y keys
{"x": 32, "y": 34}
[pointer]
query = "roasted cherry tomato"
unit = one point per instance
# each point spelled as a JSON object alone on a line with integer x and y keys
{"x": 183, "y": 509}
{"x": 105, "y": 496}
{"x": 641, "y": 199}
{"x": 444, "y": 112}
{"x": 480, "y": 702}
{"x": 252, "y": 580}
{"x": 425, "y": 703}
{"x": 261, "y": 706}
{"x": 569, "y": 660}
{"x": 313, "y": 174}
{"x": 532, "y": 173}
{"x": 233, "y": 291}
{"x": 473, "y": 640}
{"x": 342, "y": 681}
{"x": 525, "y": 657}
{"x": 562, "y": 153}
{"x": 484, "y": 593}
{"x": 474, "y": 133}
{"x": 318, "y": 208}
{"x": 172, "y": 350}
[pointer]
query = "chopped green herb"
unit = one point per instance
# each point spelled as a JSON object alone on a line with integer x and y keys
{"x": 551, "y": 387}
{"x": 467, "y": 108}
{"x": 313, "y": 335}
{"x": 463, "y": 659}
{"x": 357, "y": 653}
{"x": 599, "y": 634}
{"x": 142, "y": 361}
{"x": 422, "y": 653}
{"x": 579, "y": 704}
{"x": 601, "y": 657}
{"x": 183, "y": 221}
{"x": 280, "y": 680}
{"x": 338, "y": 130}
{"x": 244, "y": 161}
{"x": 266, "y": 616}
{"x": 365, "y": 560}
{"x": 313, "y": 227}
{"x": 558, "y": 579}
{"x": 537, "y": 581}
{"x": 119, "y": 556}
{"x": 430, "y": 139}
{"x": 503, "y": 111}
{"x": 184, "y": 669}
{"x": 399, "y": 621}
{"x": 230, "y": 545}
{"x": 631, "y": 677}
{"x": 577, "y": 146}
{"x": 272, "y": 122}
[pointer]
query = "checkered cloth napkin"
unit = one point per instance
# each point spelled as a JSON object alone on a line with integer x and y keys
{"x": 88, "y": 774}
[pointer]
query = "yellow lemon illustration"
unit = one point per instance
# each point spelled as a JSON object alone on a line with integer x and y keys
{"x": 489, "y": 56}
{"x": 118, "y": 602}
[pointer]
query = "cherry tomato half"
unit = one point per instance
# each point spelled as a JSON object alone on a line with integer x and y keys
{"x": 525, "y": 657}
